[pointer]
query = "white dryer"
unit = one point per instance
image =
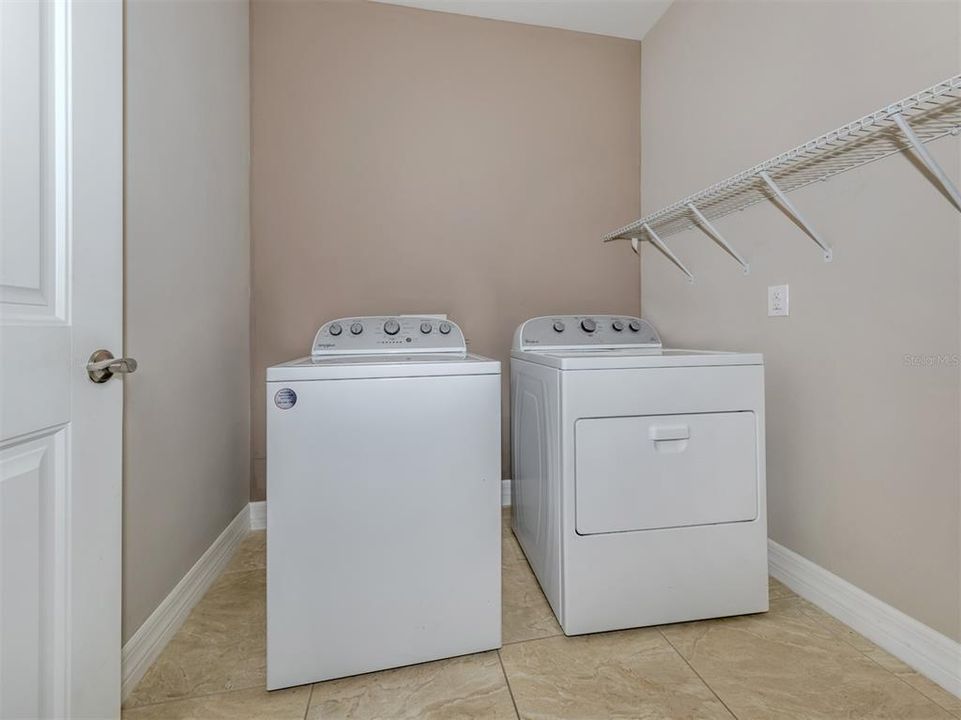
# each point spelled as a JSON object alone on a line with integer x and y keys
{"x": 383, "y": 500}
{"x": 638, "y": 485}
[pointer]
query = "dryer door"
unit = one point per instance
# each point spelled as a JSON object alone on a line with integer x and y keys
{"x": 663, "y": 471}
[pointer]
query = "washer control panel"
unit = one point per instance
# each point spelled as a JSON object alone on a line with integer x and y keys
{"x": 388, "y": 334}
{"x": 585, "y": 331}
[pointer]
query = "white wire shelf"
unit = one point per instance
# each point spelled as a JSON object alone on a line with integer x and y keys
{"x": 908, "y": 123}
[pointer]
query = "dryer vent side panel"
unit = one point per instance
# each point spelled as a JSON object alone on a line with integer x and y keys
{"x": 535, "y": 487}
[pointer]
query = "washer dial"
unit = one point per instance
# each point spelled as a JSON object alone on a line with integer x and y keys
{"x": 444, "y": 328}
{"x": 335, "y": 329}
{"x": 635, "y": 326}
{"x": 425, "y": 327}
{"x": 618, "y": 325}
{"x": 356, "y": 328}
{"x": 559, "y": 326}
{"x": 588, "y": 325}
{"x": 391, "y": 327}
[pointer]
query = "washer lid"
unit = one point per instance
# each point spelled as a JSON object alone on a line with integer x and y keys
{"x": 627, "y": 358}
{"x": 391, "y": 365}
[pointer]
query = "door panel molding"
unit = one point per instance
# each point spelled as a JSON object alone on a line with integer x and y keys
{"x": 34, "y": 564}
{"x": 34, "y": 153}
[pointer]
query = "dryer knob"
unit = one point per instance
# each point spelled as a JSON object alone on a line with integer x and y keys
{"x": 588, "y": 325}
{"x": 425, "y": 327}
{"x": 356, "y": 328}
{"x": 336, "y": 329}
{"x": 444, "y": 328}
{"x": 635, "y": 326}
{"x": 559, "y": 326}
{"x": 618, "y": 325}
{"x": 391, "y": 327}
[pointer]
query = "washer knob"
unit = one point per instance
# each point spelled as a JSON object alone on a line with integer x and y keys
{"x": 391, "y": 327}
{"x": 635, "y": 326}
{"x": 588, "y": 325}
{"x": 444, "y": 328}
{"x": 336, "y": 329}
{"x": 425, "y": 327}
{"x": 559, "y": 326}
{"x": 618, "y": 325}
{"x": 356, "y": 328}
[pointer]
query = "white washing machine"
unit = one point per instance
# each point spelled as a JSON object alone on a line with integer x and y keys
{"x": 383, "y": 500}
{"x": 638, "y": 474}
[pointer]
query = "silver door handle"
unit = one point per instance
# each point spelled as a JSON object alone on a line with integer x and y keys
{"x": 103, "y": 365}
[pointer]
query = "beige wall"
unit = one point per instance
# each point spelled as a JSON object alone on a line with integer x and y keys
{"x": 412, "y": 161}
{"x": 186, "y": 424}
{"x": 863, "y": 449}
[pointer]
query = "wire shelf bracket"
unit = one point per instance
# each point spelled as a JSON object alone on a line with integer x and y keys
{"x": 929, "y": 162}
{"x": 792, "y": 210}
{"x": 659, "y": 244}
{"x": 715, "y": 234}
{"x": 906, "y": 125}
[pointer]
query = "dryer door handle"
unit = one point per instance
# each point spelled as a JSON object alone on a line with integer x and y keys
{"x": 669, "y": 432}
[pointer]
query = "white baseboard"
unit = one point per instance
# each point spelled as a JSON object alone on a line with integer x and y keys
{"x": 505, "y": 493}
{"x": 148, "y": 642}
{"x": 258, "y": 515}
{"x": 932, "y": 654}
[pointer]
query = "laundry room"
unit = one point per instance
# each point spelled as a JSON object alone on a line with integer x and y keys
{"x": 521, "y": 359}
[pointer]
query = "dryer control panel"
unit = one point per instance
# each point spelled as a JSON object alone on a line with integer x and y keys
{"x": 573, "y": 332}
{"x": 389, "y": 334}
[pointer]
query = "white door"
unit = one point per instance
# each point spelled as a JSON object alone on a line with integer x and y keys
{"x": 61, "y": 253}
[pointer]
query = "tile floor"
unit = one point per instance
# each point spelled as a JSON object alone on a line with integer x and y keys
{"x": 793, "y": 662}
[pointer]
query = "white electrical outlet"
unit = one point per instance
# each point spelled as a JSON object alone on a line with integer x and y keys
{"x": 777, "y": 300}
